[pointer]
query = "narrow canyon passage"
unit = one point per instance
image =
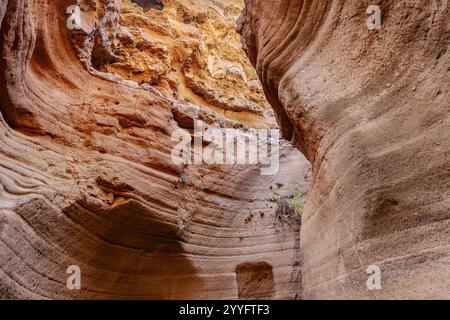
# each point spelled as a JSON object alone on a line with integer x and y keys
{"x": 93, "y": 92}
{"x": 86, "y": 173}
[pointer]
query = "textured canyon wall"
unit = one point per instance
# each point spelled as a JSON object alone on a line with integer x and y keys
{"x": 86, "y": 176}
{"x": 370, "y": 109}
{"x": 191, "y": 51}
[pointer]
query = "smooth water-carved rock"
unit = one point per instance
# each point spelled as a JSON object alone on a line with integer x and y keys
{"x": 87, "y": 179}
{"x": 370, "y": 109}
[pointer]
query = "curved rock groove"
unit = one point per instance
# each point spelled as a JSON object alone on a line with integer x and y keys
{"x": 370, "y": 110}
{"x": 86, "y": 176}
{"x": 86, "y": 179}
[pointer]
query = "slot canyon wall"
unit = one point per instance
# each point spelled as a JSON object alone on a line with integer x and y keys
{"x": 370, "y": 110}
{"x": 86, "y": 175}
{"x": 87, "y": 179}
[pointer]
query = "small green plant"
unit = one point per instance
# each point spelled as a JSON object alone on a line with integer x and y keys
{"x": 298, "y": 205}
{"x": 290, "y": 209}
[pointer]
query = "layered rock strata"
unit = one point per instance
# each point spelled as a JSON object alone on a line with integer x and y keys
{"x": 370, "y": 109}
{"x": 87, "y": 179}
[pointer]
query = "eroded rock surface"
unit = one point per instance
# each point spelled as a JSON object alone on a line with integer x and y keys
{"x": 186, "y": 50}
{"x": 370, "y": 109}
{"x": 86, "y": 175}
{"x": 87, "y": 179}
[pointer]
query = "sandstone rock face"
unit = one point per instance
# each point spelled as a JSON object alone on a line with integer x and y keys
{"x": 88, "y": 107}
{"x": 86, "y": 177}
{"x": 190, "y": 51}
{"x": 370, "y": 109}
